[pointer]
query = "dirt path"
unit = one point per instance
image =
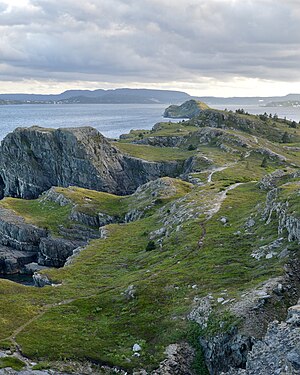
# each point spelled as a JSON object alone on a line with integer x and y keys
{"x": 218, "y": 169}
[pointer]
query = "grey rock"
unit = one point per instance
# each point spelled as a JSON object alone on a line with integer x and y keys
{"x": 130, "y": 292}
{"x": 83, "y": 218}
{"x": 294, "y": 357}
{"x": 162, "y": 141}
{"x": 188, "y": 109}
{"x": 32, "y": 160}
{"x": 33, "y": 267}
{"x": 53, "y": 252}
{"x": 179, "y": 360}
{"x": 103, "y": 232}
{"x": 104, "y": 219}
{"x": 54, "y": 196}
{"x": 17, "y": 234}
{"x": 269, "y": 181}
{"x": 294, "y": 315}
{"x": 226, "y": 350}
{"x": 70, "y": 260}
{"x": 13, "y": 261}
{"x": 40, "y": 280}
{"x": 250, "y": 223}
{"x": 286, "y": 221}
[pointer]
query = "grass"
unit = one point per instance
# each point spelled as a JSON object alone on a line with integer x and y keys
{"x": 153, "y": 153}
{"x": 246, "y": 170}
{"x": 13, "y": 362}
{"x": 92, "y": 202}
{"x": 45, "y": 214}
{"x": 99, "y": 323}
{"x": 89, "y": 316}
{"x": 161, "y": 129}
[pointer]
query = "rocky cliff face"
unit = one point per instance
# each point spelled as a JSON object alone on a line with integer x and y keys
{"x": 288, "y": 220}
{"x": 279, "y": 351}
{"x": 34, "y": 159}
{"x": 22, "y": 244}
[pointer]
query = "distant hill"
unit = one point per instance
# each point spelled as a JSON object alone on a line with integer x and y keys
{"x": 286, "y": 103}
{"x": 117, "y": 96}
{"x": 255, "y": 100}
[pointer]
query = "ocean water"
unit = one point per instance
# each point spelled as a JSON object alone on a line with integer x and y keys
{"x": 110, "y": 119}
{"x": 290, "y": 113}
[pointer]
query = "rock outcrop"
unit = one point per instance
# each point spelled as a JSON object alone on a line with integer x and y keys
{"x": 32, "y": 160}
{"x": 188, "y": 109}
{"x": 287, "y": 221}
{"x": 279, "y": 351}
{"x": 22, "y": 243}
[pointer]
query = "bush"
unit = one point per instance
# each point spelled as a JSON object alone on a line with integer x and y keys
{"x": 192, "y": 148}
{"x": 150, "y": 246}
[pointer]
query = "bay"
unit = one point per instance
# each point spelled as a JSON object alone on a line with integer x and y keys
{"x": 110, "y": 119}
{"x": 290, "y": 113}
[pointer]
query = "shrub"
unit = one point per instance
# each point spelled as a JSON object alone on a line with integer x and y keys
{"x": 150, "y": 246}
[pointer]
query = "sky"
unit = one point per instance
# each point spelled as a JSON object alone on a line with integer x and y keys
{"x": 203, "y": 47}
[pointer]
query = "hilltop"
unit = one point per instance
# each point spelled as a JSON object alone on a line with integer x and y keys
{"x": 168, "y": 251}
{"x": 188, "y": 109}
{"x": 100, "y": 96}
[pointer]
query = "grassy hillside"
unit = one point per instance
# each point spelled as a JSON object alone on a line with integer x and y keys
{"x": 188, "y": 241}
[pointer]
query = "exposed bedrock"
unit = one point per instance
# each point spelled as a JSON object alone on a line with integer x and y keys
{"x": 53, "y": 252}
{"x": 34, "y": 159}
{"x": 22, "y": 244}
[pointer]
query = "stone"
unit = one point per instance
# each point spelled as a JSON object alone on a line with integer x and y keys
{"x": 179, "y": 360}
{"x": 136, "y": 348}
{"x": 34, "y": 159}
{"x": 33, "y": 267}
{"x": 53, "y": 252}
{"x": 40, "y": 280}
{"x": 294, "y": 358}
{"x": 250, "y": 223}
{"x": 130, "y": 292}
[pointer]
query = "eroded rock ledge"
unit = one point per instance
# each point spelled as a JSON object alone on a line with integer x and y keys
{"x": 32, "y": 160}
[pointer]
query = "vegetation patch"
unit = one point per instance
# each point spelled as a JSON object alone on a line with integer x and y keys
{"x": 153, "y": 153}
{"x": 13, "y": 362}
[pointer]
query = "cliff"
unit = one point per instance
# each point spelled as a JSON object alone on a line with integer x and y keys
{"x": 32, "y": 160}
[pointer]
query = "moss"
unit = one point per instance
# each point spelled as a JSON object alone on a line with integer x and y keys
{"x": 13, "y": 362}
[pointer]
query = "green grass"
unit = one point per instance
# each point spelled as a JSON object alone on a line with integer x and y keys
{"x": 88, "y": 316}
{"x": 92, "y": 202}
{"x": 100, "y": 324}
{"x": 246, "y": 170}
{"x": 153, "y": 153}
{"x": 13, "y": 362}
{"x": 44, "y": 214}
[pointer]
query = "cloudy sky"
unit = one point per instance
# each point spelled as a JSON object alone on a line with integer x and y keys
{"x": 204, "y": 47}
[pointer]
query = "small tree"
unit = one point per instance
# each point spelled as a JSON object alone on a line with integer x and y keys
{"x": 192, "y": 148}
{"x": 285, "y": 138}
{"x": 150, "y": 246}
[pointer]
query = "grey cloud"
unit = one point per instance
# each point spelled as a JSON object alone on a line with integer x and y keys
{"x": 151, "y": 40}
